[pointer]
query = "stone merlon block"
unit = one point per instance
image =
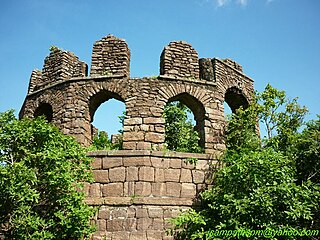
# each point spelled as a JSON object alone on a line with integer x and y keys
{"x": 179, "y": 59}
{"x": 110, "y": 56}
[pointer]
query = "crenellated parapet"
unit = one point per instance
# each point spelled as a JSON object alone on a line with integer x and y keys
{"x": 140, "y": 187}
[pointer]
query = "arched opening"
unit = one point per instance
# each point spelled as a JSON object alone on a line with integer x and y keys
{"x": 44, "y": 109}
{"x": 107, "y": 110}
{"x": 180, "y": 127}
{"x": 235, "y": 98}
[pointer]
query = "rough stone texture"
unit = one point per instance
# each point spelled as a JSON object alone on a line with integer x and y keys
{"x": 69, "y": 99}
{"x": 58, "y": 66}
{"x": 110, "y": 56}
{"x": 179, "y": 59}
{"x": 137, "y": 190}
{"x": 139, "y": 203}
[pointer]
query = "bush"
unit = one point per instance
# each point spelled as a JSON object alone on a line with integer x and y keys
{"x": 41, "y": 174}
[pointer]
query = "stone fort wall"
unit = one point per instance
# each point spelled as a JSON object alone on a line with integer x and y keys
{"x": 139, "y": 188}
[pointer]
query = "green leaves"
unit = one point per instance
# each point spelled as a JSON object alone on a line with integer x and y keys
{"x": 269, "y": 184}
{"x": 179, "y": 132}
{"x": 40, "y": 176}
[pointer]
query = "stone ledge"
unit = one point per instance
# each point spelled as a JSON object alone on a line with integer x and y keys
{"x": 141, "y": 153}
{"x": 128, "y": 201}
{"x": 198, "y": 81}
{"x": 77, "y": 79}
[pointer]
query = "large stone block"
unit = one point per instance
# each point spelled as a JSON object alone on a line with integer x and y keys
{"x": 117, "y": 174}
{"x": 110, "y": 162}
{"x": 173, "y": 189}
{"x": 198, "y": 176}
{"x": 143, "y": 189}
{"x": 137, "y": 161}
{"x": 112, "y": 190}
{"x": 132, "y": 174}
{"x": 101, "y": 176}
{"x": 188, "y": 190}
{"x": 186, "y": 176}
{"x": 159, "y": 189}
{"x": 146, "y": 174}
{"x": 172, "y": 175}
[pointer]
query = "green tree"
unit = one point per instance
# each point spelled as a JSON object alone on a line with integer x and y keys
{"x": 257, "y": 188}
{"x": 101, "y": 140}
{"x": 42, "y": 173}
{"x": 179, "y": 132}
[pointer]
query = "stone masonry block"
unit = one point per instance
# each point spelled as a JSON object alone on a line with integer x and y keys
{"x": 117, "y": 174}
{"x": 94, "y": 190}
{"x": 101, "y": 176}
{"x": 160, "y": 162}
{"x": 128, "y": 188}
{"x": 146, "y": 174}
{"x": 131, "y": 212}
{"x": 159, "y": 175}
{"x": 120, "y": 235}
{"x": 130, "y": 224}
{"x": 144, "y": 146}
{"x": 186, "y": 176}
{"x": 159, "y": 189}
{"x": 154, "y": 137}
{"x": 153, "y": 120}
{"x": 138, "y": 235}
{"x": 137, "y": 161}
{"x": 110, "y": 162}
{"x": 175, "y": 163}
{"x": 144, "y": 223}
{"x": 114, "y": 225}
{"x": 198, "y": 176}
{"x": 97, "y": 163}
{"x": 158, "y": 224}
{"x": 154, "y": 235}
{"x": 132, "y": 174}
{"x": 173, "y": 189}
{"x": 129, "y": 145}
{"x": 133, "y": 121}
{"x": 112, "y": 190}
{"x": 104, "y": 213}
{"x": 142, "y": 213}
{"x": 188, "y": 190}
{"x": 143, "y": 188}
{"x": 102, "y": 224}
{"x": 172, "y": 175}
{"x": 155, "y": 212}
{"x": 133, "y": 136}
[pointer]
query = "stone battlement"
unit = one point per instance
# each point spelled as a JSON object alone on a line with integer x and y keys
{"x": 139, "y": 188}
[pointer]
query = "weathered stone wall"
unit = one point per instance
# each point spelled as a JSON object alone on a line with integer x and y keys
{"x": 179, "y": 59}
{"x": 74, "y": 98}
{"x": 137, "y": 192}
{"x": 136, "y": 189}
{"x": 110, "y": 56}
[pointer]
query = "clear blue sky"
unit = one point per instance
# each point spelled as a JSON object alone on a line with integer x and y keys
{"x": 276, "y": 41}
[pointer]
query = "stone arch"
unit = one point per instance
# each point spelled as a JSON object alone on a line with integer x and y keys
{"x": 44, "y": 109}
{"x": 100, "y": 97}
{"x": 235, "y": 98}
{"x": 197, "y": 109}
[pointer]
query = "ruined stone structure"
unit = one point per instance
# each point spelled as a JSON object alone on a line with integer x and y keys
{"x": 137, "y": 189}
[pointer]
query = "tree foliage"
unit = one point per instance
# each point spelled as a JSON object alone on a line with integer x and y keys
{"x": 179, "y": 132}
{"x": 266, "y": 184}
{"x": 101, "y": 140}
{"x": 41, "y": 174}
